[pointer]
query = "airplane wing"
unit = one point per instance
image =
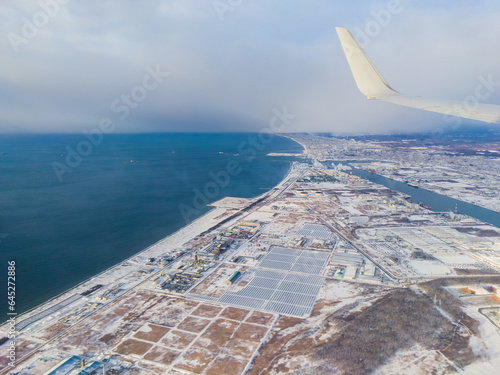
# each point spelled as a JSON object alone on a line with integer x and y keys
{"x": 371, "y": 83}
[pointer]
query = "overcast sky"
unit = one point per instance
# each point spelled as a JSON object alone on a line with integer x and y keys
{"x": 231, "y": 65}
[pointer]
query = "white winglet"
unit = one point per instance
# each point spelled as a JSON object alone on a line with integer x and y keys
{"x": 371, "y": 83}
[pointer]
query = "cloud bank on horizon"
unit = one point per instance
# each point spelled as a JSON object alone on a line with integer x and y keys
{"x": 224, "y": 65}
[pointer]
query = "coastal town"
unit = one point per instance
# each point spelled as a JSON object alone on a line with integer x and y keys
{"x": 300, "y": 277}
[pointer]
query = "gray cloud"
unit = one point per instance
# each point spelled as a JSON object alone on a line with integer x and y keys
{"x": 228, "y": 76}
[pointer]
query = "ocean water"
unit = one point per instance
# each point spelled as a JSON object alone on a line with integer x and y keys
{"x": 112, "y": 203}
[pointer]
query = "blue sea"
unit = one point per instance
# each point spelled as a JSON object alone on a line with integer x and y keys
{"x": 69, "y": 211}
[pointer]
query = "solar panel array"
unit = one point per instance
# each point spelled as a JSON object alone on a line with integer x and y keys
{"x": 277, "y": 292}
{"x": 275, "y": 289}
{"x": 316, "y": 231}
{"x": 292, "y": 260}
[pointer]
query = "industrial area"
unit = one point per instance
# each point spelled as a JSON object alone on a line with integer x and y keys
{"x": 248, "y": 286}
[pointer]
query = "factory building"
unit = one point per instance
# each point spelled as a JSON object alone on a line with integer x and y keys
{"x": 233, "y": 278}
{"x": 65, "y": 367}
{"x": 347, "y": 259}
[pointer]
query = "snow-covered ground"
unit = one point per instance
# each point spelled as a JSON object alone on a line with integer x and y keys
{"x": 430, "y": 268}
{"x": 488, "y": 346}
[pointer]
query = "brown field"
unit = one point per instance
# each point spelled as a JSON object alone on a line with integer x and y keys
{"x": 23, "y": 347}
{"x": 320, "y": 305}
{"x": 108, "y": 339}
{"x": 241, "y": 348}
{"x": 173, "y": 371}
{"x": 207, "y": 311}
{"x": 135, "y": 371}
{"x": 216, "y": 335}
{"x": 133, "y": 347}
{"x": 195, "y": 361}
{"x": 169, "y": 312}
{"x": 166, "y": 321}
{"x": 226, "y": 365}
{"x": 150, "y": 367}
{"x": 51, "y": 331}
{"x": 193, "y": 324}
{"x": 258, "y": 317}
{"x": 162, "y": 355}
{"x": 234, "y": 313}
{"x": 288, "y": 321}
{"x": 108, "y": 326}
{"x": 250, "y": 332}
{"x": 80, "y": 338}
{"x": 177, "y": 339}
{"x": 154, "y": 335}
{"x": 91, "y": 336}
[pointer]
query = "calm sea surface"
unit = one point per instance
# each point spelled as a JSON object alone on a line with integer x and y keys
{"x": 121, "y": 198}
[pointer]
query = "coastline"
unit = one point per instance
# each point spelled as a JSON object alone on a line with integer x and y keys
{"x": 304, "y": 151}
{"x": 214, "y": 217}
{"x": 66, "y": 293}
